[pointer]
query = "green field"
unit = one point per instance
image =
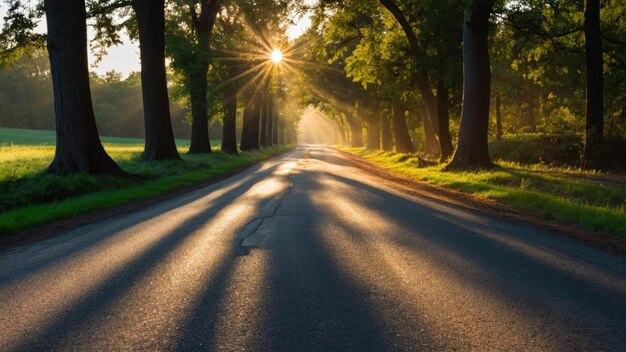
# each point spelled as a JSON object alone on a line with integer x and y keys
{"x": 30, "y": 197}
{"x": 19, "y": 136}
{"x": 595, "y": 201}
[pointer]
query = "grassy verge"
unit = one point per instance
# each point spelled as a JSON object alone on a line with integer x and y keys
{"x": 550, "y": 192}
{"x": 29, "y": 197}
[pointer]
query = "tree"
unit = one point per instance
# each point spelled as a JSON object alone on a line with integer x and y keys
{"x": 472, "y": 149}
{"x": 594, "y": 83}
{"x": 418, "y": 54}
{"x": 189, "y": 34}
{"x": 159, "y": 142}
{"x": 78, "y": 146}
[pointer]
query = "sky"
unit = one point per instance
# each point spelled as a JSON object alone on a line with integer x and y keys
{"x": 124, "y": 58}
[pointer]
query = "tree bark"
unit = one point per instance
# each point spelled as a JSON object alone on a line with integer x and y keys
{"x": 356, "y": 130}
{"x": 159, "y": 144}
{"x": 498, "y": 117}
{"x": 386, "y": 136}
{"x": 78, "y": 146}
{"x": 250, "y": 128}
{"x": 196, "y": 71}
{"x": 229, "y": 128}
{"x": 532, "y": 121}
{"x": 373, "y": 131}
{"x": 431, "y": 146}
{"x": 264, "y": 125}
{"x": 473, "y": 150}
{"x": 270, "y": 122}
{"x": 417, "y": 54}
{"x": 401, "y": 130}
{"x": 197, "y": 83}
{"x": 274, "y": 120}
{"x": 594, "y": 129}
{"x": 443, "y": 118}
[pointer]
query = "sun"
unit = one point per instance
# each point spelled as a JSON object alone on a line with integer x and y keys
{"x": 276, "y": 56}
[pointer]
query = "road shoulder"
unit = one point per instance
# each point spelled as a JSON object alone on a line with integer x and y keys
{"x": 488, "y": 207}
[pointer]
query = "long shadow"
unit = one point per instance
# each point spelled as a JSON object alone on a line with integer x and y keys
{"x": 91, "y": 235}
{"x": 307, "y": 304}
{"x": 96, "y": 302}
{"x": 503, "y": 270}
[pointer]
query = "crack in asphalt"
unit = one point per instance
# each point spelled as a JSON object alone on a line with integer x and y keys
{"x": 249, "y": 236}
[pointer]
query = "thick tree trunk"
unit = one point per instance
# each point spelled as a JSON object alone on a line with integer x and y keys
{"x": 473, "y": 150}
{"x": 373, "y": 131}
{"x": 498, "y": 117}
{"x": 197, "y": 83}
{"x": 401, "y": 130}
{"x": 431, "y": 146}
{"x": 250, "y": 128}
{"x": 386, "y": 135}
{"x": 78, "y": 147}
{"x": 443, "y": 118}
{"x": 159, "y": 143}
{"x": 229, "y": 128}
{"x": 594, "y": 129}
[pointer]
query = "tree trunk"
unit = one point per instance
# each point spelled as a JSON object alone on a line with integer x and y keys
{"x": 373, "y": 131}
{"x": 229, "y": 128}
{"x": 594, "y": 129}
{"x": 400, "y": 130}
{"x": 250, "y": 128}
{"x": 473, "y": 150}
{"x": 197, "y": 83}
{"x": 263, "y": 126}
{"x": 498, "y": 117}
{"x": 275, "y": 123}
{"x": 270, "y": 122}
{"x": 386, "y": 136}
{"x": 443, "y": 118}
{"x": 532, "y": 121}
{"x": 417, "y": 54}
{"x": 431, "y": 146}
{"x": 280, "y": 130}
{"x": 78, "y": 147}
{"x": 159, "y": 143}
{"x": 356, "y": 131}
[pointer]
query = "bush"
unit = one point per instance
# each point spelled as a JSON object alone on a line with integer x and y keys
{"x": 533, "y": 148}
{"x": 554, "y": 149}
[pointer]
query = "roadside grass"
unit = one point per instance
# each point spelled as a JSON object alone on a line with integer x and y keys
{"x": 567, "y": 195}
{"x": 30, "y": 197}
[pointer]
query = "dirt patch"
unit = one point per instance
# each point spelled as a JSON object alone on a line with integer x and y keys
{"x": 611, "y": 243}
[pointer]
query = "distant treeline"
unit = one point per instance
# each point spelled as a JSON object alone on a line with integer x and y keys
{"x": 26, "y": 101}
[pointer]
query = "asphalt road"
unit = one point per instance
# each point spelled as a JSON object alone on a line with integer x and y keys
{"x": 308, "y": 253}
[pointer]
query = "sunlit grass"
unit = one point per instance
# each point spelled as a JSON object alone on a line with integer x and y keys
{"x": 30, "y": 197}
{"x": 553, "y": 193}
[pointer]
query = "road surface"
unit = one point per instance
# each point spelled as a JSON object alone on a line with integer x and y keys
{"x": 307, "y": 253}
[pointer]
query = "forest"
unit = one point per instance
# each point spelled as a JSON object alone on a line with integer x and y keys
{"x": 376, "y": 69}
